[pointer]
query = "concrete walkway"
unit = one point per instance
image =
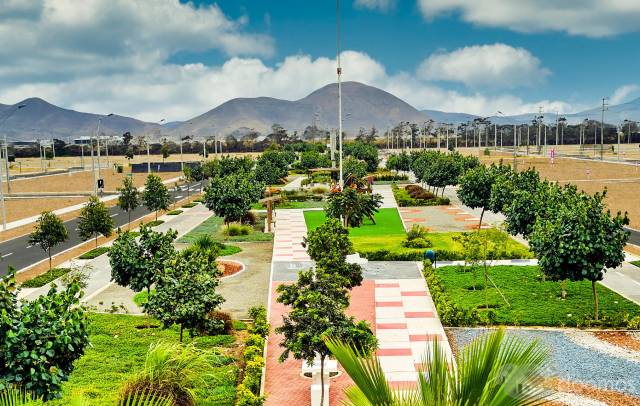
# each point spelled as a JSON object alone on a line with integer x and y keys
{"x": 388, "y": 200}
{"x": 295, "y": 184}
{"x": 99, "y": 274}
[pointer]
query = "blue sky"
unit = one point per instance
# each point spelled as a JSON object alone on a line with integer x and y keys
{"x": 178, "y": 59}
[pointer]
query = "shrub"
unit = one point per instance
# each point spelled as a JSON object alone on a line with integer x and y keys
{"x": 249, "y": 218}
{"x": 388, "y": 176}
{"x": 155, "y": 223}
{"x": 225, "y": 318}
{"x": 450, "y": 313}
{"x": 244, "y": 397}
{"x": 417, "y": 231}
{"x": 237, "y": 229}
{"x": 174, "y": 212}
{"x": 45, "y": 278}
{"x": 247, "y": 393}
{"x": 94, "y": 253}
{"x": 419, "y": 242}
{"x": 119, "y": 169}
{"x": 189, "y": 205}
{"x": 172, "y": 370}
{"x": 319, "y": 190}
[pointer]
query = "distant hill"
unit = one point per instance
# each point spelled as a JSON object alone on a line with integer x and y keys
{"x": 363, "y": 106}
{"x": 42, "y": 120}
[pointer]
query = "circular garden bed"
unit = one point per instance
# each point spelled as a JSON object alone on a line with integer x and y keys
{"x": 230, "y": 267}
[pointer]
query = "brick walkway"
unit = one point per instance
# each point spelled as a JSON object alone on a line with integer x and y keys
{"x": 289, "y": 232}
{"x": 403, "y": 318}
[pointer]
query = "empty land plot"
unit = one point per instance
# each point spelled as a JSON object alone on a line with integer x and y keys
{"x": 22, "y": 208}
{"x": 78, "y": 182}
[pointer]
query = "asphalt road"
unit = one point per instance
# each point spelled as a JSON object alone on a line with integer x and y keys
{"x": 634, "y": 237}
{"x": 19, "y": 254}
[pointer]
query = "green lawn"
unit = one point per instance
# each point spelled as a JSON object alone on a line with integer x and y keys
{"x": 94, "y": 253}
{"x": 532, "y": 301}
{"x": 636, "y": 263}
{"x": 383, "y": 240}
{"x": 45, "y": 278}
{"x": 118, "y": 350}
{"x": 214, "y": 226}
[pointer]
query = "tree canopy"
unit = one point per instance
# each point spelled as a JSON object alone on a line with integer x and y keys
{"x": 94, "y": 220}
{"x": 231, "y": 196}
{"x": 48, "y": 232}
{"x": 156, "y": 195}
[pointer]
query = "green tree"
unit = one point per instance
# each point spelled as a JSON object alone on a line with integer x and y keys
{"x": 319, "y": 300}
{"x": 272, "y": 167}
{"x": 164, "y": 150}
{"x": 231, "y": 196}
{"x": 186, "y": 291}
{"x": 94, "y": 220}
{"x": 156, "y": 195}
{"x": 354, "y": 169}
{"x": 353, "y": 207}
{"x": 491, "y": 370}
{"x": 579, "y": 239}
{"x": 474, "y": 188}
{"x": 312, "y": 159}
{"x": 48, "y": 232}
{"x": 442, "y": 171}
{"x": 41, "y": 339}
{"x": 128, "y": 197}
{"x": 364, "y": 152}
{"x": 138, "y": 263}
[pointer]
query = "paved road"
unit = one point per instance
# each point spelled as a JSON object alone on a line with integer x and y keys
{"x": 634, "y": 237}
{"x": 19, "y": 254}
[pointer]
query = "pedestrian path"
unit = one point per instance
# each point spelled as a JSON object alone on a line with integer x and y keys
{"x": 388, "y": 200}
{"x": 406, "y": 327}
{"x": 99, "y": 270}
{"x": 289, "y": 233}
{"x": 295, "y": 184}
{"x": 400, "y": 312}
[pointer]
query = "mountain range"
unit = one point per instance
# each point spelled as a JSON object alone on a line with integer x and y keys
{"x": 363, "y": 107}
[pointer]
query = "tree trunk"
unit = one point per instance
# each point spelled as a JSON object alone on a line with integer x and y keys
{"x": 156, "y": 215}
{"x": 481, "y": 215}
{"x": 595, "y": 299}
{"x": 181, "y": 329}
{"x": 97, "y": 240}
{"x": 49, "y": 252}
{"x": 443, "y": 191}
{"x": 322, "y": 380}
{"x": 129, "y": 223}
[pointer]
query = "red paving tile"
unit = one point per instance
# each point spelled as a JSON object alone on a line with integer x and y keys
{"x": 425, "y": 337}
{"x": 391, "y": 326}
{"x": 387, "y": 285}
{"x": 419, "y": 315}
{"x": 283, "y": 383}
{"x": 393, "y": 352}
{"x": 388, "y": 304}
{"x": 414, "y": 293}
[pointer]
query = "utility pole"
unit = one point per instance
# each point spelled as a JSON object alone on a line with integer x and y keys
{"x": 557, "y": 128}
{"x": 339, "y": 72}
{"x": 98, "y": 146}
{"x": 148, "y": 156}
{"x": 604, "y": 107}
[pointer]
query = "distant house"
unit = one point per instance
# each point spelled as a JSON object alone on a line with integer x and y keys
{"x": 24, "y": 144}
{"x": 84, "y": 140}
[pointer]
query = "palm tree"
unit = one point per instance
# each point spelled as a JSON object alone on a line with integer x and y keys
{"x": 491, "y": 370}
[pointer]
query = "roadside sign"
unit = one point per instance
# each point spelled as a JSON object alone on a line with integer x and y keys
{"x": 100, "y": 183}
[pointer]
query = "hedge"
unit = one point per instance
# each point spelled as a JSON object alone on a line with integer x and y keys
{"x": 45, "y": 278}
{"x": 94, "y": 253}
{"x": 248, "y": 392}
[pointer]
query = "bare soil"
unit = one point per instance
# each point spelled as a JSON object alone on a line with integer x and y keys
{"x": 22, "y": 208}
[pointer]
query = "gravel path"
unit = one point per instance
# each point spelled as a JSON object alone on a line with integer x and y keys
{"x": 582, "y": 361}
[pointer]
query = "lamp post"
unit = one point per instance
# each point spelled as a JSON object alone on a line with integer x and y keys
{"x": 339, "y": 72}
{"x": 6, "y": 150}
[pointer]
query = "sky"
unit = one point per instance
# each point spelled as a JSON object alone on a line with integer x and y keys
{"x": 171, "y": 59}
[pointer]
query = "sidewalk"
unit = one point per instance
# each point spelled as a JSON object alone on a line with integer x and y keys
{"x": 388, "y": 200}
{"x": 99, "y": 278}
{"x": 295, "y": 184}
{"x": 69, "y": 209}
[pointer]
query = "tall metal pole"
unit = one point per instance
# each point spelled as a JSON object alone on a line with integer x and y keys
{"x": 4, "y": 211}
{"x": 98, "y": 145}
{"x": 6, "y": 162}
{"x": 604, "y": 101}
{"x": 339, "y": 71}
{"x": 148, "y": 157}
{"x": 93, "y": 170}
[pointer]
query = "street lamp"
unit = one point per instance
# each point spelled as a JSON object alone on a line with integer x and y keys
{"x": 6, "y": 146}
{"x": 95, "y": 181}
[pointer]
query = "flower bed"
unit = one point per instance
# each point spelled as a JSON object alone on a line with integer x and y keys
{"x": 230, "y": 267}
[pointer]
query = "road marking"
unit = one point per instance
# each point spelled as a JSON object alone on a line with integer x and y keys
{"x": 6, "y": 255}
{"x": 179, "y": 197}
{"x": 113, "y": 215}
{"x": 29, "y": 246}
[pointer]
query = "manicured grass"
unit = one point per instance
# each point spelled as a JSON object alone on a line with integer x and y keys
{"x": 94, "y": 253}
{"x": 388, "y": 234}
{"x": 155, "y": 223}
{"x": 636, "y": 263}
{"x": 532, "y": 301}
{"x": 45, "y": 278}
{"x": 214, "y": 226}
{"x": 118, "y": 351}
{"x": 174, "y": 212}
{"x": 190, "y": 205}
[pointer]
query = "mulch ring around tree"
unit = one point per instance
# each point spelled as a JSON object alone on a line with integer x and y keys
{"x": 230, "y": 267}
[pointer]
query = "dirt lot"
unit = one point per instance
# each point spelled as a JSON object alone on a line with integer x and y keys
{"x": 78, "y": 181}
{"x": 21, "y": 208}
{"x": 622, "y": 181}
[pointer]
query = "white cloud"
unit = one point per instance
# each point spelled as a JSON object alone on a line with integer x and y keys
{"x": 178, "y": 92}
{"x": 379, "y": 5}
{"x": 625, "y": 93}
{"x": 496, "y": 66}
{"x": 45, "y": 39}
{"x": 592, "y": 18}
